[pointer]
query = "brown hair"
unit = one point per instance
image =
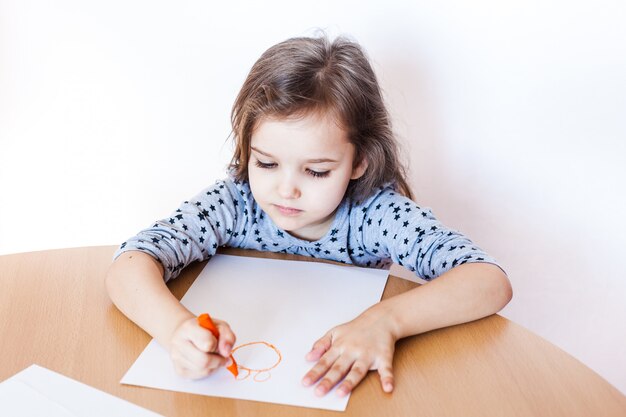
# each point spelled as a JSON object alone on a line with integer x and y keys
{"x": 304, "y": 75}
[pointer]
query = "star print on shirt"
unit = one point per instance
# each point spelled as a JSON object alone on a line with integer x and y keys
{"x": 226, "y": 212}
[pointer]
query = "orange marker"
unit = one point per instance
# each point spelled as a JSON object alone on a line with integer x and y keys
{"x": 204, "y": 320}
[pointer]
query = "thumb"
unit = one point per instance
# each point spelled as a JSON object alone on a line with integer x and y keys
{"x": 201, "y": 338}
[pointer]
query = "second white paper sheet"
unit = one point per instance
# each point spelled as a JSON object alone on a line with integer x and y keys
{"x": 277, "y": 309}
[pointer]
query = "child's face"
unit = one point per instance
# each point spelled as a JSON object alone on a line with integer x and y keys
{"x": 299, "y": 170}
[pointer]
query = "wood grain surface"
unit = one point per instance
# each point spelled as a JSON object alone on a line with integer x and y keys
{"x": 55, "y": 312}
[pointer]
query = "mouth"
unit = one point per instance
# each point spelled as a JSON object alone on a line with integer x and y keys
{"x": 287, "y": 211}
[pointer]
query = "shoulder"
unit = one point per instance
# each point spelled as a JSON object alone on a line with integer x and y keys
{"x": 229, "y": 190}
{"x": 384, "y": 198}
{"x": 387, "y": 210}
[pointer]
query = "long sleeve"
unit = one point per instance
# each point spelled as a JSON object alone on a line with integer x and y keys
{"x": 394, "y": 226}
{"x": 194, "y": 231}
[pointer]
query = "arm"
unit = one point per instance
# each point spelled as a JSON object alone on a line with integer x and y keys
{"x": 136, "y": 280}
{"x": 136, "y": 286}
{"x": 464, "y": 293}
{"x": 135, "y": 277}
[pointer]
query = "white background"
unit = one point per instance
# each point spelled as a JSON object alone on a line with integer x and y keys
{"x": 512, "y": 115}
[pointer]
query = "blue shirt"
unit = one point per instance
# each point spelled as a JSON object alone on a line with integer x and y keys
{"x": 386, "y": 227}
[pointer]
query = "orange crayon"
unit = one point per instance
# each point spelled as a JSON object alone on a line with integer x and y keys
{"x": 204, "y": 320}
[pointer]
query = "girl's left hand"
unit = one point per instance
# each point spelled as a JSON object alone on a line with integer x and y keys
{"x": 351, "y": 350}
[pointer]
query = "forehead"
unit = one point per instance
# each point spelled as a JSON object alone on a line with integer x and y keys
{"x": 311, "y": 134}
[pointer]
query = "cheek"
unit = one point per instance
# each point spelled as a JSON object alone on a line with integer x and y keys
{"x": 338, "y": 194}
{"x": 341, "y": 185}
{"x": 259, "y": 183}
{"x": 253, "y": 178}
{"x": 329, "y": 194}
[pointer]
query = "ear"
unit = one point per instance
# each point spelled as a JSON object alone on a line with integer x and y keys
{"x": 359, "y": 170}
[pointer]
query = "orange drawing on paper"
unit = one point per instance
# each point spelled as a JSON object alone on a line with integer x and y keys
{"x": 258, "y": 359}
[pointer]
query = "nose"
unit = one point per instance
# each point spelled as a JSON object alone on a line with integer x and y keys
{"x": 288, "y": 189}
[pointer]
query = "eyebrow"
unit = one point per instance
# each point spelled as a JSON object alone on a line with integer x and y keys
{"x": 314, "y": 161}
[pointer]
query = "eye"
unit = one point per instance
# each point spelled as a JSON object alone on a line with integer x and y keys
{"x": 318, "y": 174}
{"x": 264, "y": 165}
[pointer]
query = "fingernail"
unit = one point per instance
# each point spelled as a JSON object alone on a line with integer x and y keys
{"x": 319, "y": 391}
{"x": 342, "y": 392}
{"x": 306, "y": 381}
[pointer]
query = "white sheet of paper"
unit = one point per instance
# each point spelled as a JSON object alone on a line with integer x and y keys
{"x": 40, "y": 392}
{"x": 288, "y": 304}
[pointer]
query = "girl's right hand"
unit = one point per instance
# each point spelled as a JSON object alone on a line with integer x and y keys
{"x": 195, "y": 351}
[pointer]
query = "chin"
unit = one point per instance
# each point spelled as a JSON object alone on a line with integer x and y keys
{"x": 287, "y": 225}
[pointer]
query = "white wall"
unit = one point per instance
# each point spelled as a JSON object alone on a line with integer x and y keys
{"x": 513, "y": 113}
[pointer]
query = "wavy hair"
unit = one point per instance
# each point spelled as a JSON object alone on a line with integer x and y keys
{"x": 305, "y": 75}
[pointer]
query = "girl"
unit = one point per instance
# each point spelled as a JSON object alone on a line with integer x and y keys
{"x": 315, "y": 172}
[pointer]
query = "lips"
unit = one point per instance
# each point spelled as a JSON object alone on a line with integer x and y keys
{"x": 287, "y": 211}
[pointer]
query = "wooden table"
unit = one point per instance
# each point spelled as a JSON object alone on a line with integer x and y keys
{"x": 56, "y": 313}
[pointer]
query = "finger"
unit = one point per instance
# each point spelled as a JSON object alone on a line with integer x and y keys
{"x": 191, "y": 374}
{"x": 196, "y": 359}
{"x": 320, "y": 369}
{"x": 319, "y": 348}
{"x": 182, "y": 353}
{"x": 354, "y": 377}
{"x": 227, "y": 338}
{"x": 201, "y": 338}
{"x": 386, "y": 377}
{"x": 189, "y": 357}
{"x": 335, "y": 374}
